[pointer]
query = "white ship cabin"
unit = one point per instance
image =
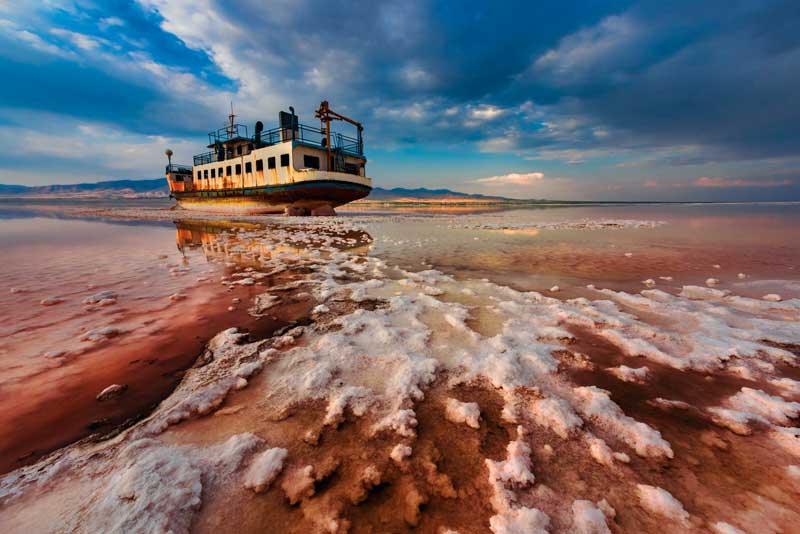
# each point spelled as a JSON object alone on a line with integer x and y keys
{"x": 290, "y": 153}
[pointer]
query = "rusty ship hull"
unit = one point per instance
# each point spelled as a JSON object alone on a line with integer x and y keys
{"x": 309, "y": 196}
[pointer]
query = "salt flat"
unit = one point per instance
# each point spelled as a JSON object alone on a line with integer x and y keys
{"x": 435, "y": 382}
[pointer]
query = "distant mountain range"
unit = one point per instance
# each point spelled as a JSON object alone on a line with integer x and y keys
{"x": 111, "y": 189}
{"x": 157, "y": 188}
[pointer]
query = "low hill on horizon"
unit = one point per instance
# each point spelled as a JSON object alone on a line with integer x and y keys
{"x": 154, "y": 188}
{"x": 157, "y": 188}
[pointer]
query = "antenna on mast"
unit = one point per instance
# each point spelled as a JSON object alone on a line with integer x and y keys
{"x": 231, "y": 118}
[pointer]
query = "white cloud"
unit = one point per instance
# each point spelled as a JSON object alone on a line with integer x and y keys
{"x": 513, "y": 178}
{"x": 80, "y": 40}
{"x": 108, "y": 22}
{"x": 486, "y": 112}
{"x": 615, "y": 43}
{"x": 32, "y": 40}
{"x": 114, "y": 152}
{"x": 416, "y": 77}
{"x": 415, "y": 111}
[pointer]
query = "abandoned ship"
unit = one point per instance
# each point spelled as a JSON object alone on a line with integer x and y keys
{"x": 293, "y": 169}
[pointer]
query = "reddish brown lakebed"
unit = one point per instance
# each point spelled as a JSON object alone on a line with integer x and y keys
{"x": 163, "y": 302}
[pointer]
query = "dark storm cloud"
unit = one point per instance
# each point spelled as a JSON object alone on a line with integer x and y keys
{"x": 728, "y": 85}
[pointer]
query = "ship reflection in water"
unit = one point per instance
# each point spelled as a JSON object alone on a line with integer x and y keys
{"x": 93, "y": 304}
{"x": 249, "y": 245}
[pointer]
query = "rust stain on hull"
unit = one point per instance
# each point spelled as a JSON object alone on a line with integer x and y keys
{"x": 307, "y": 196}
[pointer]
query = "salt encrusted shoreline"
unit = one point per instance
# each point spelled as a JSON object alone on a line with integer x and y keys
{"x": 450, "y": 221}
{"x": 383, "y": 343}
{"x": 582, "y": 224}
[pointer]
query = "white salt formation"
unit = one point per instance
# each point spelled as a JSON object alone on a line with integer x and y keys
{"x": 661, "y": 502}
{"x": 264, "y": 469}
{"x": 630, "y": 374}
{"x": 725, "y": 528}
{"x": 588, "y": 518}
{"x": 400, "y": 452}
{"x": 112, "y": 391}
{"x": 463, "y": 412}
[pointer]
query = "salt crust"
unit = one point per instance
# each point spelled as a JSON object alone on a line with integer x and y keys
{"x": 629, "y": 374}
{"x": 787, "y": 384}
{"x": 659, "y": 501}
{"x": 596, "y": 404}
{"x": 400, "y": 452}
{"x": 158, "y": 488}
{"x": 468, "y": 413}
{"x": 602, "y": 453}
{"x": 588, "y": 518}
{"x": 752, "y": 405}
{"x": 725, "y": 528}
{"x": 771, "y": 408}
{"x": 557, "y": 415}
{"x": 507, "y": 475}
{"x": 520, "y": 521}
{"x": 264, "y": 468}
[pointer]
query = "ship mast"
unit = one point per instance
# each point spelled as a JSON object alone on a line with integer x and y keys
{"x": 231, "y": 118}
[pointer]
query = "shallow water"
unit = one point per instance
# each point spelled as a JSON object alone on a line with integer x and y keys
{"x": 511, "y": 247}
{"x": 165, "y": 301}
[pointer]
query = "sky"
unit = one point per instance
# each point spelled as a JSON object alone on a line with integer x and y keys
{"x": 589, "y": 100}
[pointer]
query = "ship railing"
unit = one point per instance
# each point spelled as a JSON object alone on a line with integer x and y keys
{"x": 207, "y": 157}
{"x": 228, "y": 133}
{"x": 178, "y": 169}
{"x": 268, "y": 138}
{"x": 306, "y": 135}
{"x": 311, "y": 136}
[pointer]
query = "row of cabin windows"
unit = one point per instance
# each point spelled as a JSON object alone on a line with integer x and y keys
{"x": 248, "y": 167}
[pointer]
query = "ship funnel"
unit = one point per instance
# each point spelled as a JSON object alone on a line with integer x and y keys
{"x": 259, "y": 129}
{"x": 288, "y": 124}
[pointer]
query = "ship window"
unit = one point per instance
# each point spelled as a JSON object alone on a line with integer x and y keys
{"x": 239, "y": 150}
{"x": 284, "y": 160}
{"x": 238, "y": 169}
{"x": 219, "y": 172}
{"x": 205, "y": 173}
{"x": 259, "y": 165}
{"x": 248, "y": 167}
{"x": 199, "y": 174}
{"x": 310, "y": 162}
{"x": 271, "y": 163}
{"x": 228, "y": 170}
{"x": 213, "y": 173}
